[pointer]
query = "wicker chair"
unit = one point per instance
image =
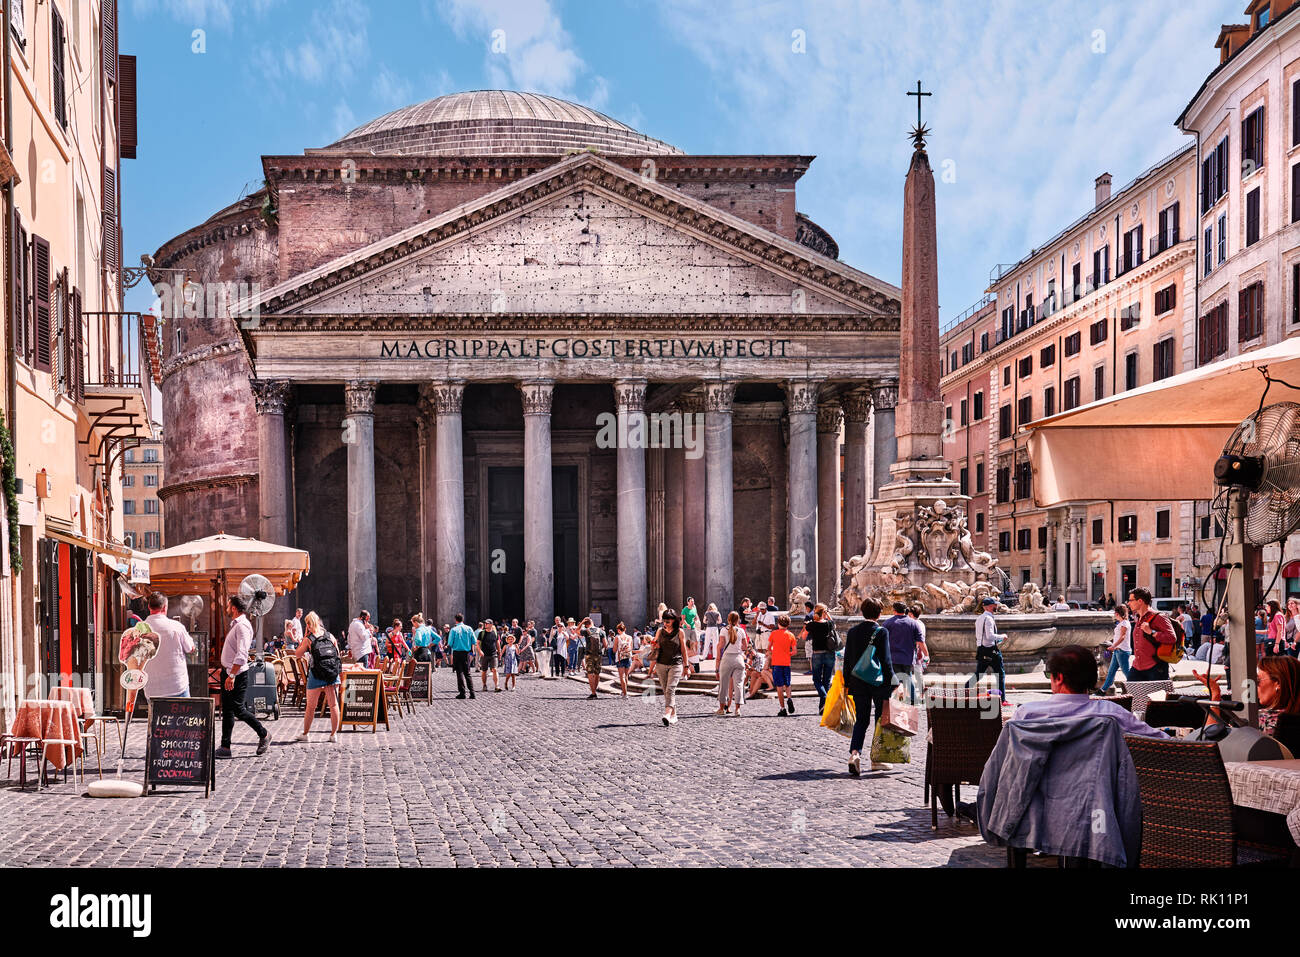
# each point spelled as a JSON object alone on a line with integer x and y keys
{"x": 1187, "y": 809}
{"x": 961, "y": 738}
{"x": 1141, "y": 692}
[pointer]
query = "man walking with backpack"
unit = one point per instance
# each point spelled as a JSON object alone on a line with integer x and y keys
{"x": 1150, "y": 630}
{"x": 461, "y": 641}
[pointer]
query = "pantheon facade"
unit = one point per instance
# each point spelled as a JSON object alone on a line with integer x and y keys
{"x": 503, "y": 355}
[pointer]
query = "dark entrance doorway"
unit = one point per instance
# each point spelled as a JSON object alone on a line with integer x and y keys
{"x": 505, "y": 557}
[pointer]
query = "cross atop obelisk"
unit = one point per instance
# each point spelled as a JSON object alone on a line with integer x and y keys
{"x": 919, "y": 415}
{"x": 920, "y": 130}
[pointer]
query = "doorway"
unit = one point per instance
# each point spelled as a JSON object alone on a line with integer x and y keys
{"x": 505, "y": 541}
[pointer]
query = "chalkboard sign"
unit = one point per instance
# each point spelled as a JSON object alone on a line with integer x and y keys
{"x": 179, "y": 744}
{"x": 422, "y": 682}
{"x": 362, "y": 694}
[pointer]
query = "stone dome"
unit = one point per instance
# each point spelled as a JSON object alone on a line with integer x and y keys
{"x": 496, "y": 122}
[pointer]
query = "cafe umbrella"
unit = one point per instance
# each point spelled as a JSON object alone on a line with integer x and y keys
{"x": 1161, "y": 443}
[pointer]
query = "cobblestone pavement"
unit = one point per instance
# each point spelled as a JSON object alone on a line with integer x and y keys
{"x": 538, "y": 776}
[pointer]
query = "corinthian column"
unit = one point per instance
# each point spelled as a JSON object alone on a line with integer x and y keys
{"x": 450, "y": 498}
{"x": 719, "y": 552}
{"x": 426, "y": 425}
{"x": 359, "y": 437}
{"x": 275, "y": 471}
{"x": 857, "y": 409}
{"x": 801, "y": 403}
{"x": 539, "y": 532}
{"x": 629, "y": 397}
{"x": 829, "y": 417}
{"x": 694, "y": 507}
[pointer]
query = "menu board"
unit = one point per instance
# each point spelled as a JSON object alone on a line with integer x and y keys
{"x": 422, "y": 682}
{"x": 179, "y": 743}
{"x": 362, "y": 694}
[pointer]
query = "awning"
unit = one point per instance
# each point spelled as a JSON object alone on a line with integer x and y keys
{"x": 1291, "y": 570}
{"x": 1158, "y": 443}
{"x": 190, "y": 569}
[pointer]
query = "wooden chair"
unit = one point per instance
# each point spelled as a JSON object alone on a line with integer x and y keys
{"x": 393, "y": 687}
{"x": 962, "y": 735}
{"x": 20, "y": 745}
{"x": 404, "y": 687}
{"x": 298, "y": 681}
{"x": 1188, "y": 818}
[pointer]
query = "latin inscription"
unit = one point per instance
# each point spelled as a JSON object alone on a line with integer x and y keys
{"x": 522, "y": 348}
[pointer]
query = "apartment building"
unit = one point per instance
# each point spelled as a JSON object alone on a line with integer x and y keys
{"x": 142, "y": 476}
{"x": 1246, "y": 122}
{"x": 1104, "y": 306}
{"x": 79, "y": 369}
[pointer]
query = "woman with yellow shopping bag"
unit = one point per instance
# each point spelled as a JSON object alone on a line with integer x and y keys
{"x": 869, "y": 678}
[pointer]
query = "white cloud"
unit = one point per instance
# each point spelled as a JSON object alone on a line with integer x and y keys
{"x": 1022, "y": 106}
{"x": 390, "y": 90}
{"x": 334, "y": 45}
{"x": 526, "y": 47}
{"x": 202, "y": 13}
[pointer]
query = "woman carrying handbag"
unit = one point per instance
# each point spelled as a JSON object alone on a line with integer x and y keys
{"x": 868, "y": 677}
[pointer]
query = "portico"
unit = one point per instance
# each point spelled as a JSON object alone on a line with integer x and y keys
{"x": 586, "y": 391}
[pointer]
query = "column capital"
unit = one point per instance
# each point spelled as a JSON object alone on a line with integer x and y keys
{"x": 359, "y": 397}
{"x": 447, "y": 397}
{"x": 884, "y": 395}
{"x": 536, "y": 395}
{"x": 629, "y": 394}
{"x": 829, "y": 417}
{"x": 691, "y": 402}
{"x": 801, "y": 395}
{"x": 271, "y": 396}
{"x": 718, "y": 396}
{"x": 857, "y": 405}
{"x": 426, "y": 404}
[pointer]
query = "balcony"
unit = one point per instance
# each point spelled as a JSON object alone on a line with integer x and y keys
{"x": 119, "y": 402}
{"x": 1162, "y": 242}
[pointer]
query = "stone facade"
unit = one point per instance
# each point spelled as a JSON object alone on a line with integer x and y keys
{"x": 506, "y": 309}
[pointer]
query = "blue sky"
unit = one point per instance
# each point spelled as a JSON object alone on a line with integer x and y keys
{"x": 1032, "y": 100}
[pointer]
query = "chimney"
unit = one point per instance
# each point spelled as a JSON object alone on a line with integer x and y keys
{"x": 1103, "y": 190}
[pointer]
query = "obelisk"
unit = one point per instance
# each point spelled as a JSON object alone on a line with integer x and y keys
{"x": 918, "y": 417}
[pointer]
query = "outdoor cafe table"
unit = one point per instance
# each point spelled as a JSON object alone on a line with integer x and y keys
{"x": 1268, "y": 786}
{"x": 39, "y": 718}
{"x": 83, "y": 699}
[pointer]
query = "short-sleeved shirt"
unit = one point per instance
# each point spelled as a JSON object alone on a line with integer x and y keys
{"x": 690, "y": 614}
{"x": 487, "y": 642}
{"x": 904, "y": 636}
{"x": 819, "y": 633}
{"x": 461, "y": 637}
{"x": 782, "y": 644}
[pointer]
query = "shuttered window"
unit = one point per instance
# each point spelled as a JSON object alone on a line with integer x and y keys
{"x": 127, "y": 110}
{"x": 1295, "y": 193}
{"x": 1252, "y": 217}
{"x": 1166, "y": 298}
{"x": 109, "y": 33}
{"x": 1252, "y": 142}
{"x": 1162, "y": 360}
{"x": 1212, "y": 335}
{"x": 1250, "y": 312}
{"x": 21, "y": 276}
{"x": 58, "y": 87}
{"x": 112, "y": 246}
{"x": 41, "y": 304}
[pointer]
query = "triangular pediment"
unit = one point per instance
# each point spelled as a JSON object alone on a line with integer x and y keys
{"x": 585, "y": 236}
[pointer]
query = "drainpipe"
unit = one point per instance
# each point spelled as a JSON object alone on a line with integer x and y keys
{"x": 11, "y": 307}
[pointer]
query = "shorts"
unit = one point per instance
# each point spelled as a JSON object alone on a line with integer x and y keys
{"x": 594, "y": 663}
{"x": 760, "y": 662}
{"x": 624, "y": 664}
{"x": 313, "y": 682}
{"x": 487, "y": 662}
{"x": 781, "y": 676}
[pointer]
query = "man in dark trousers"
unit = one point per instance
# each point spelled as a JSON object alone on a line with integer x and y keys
{"x": 234, "y": 680}
{"x": 461, "y": 641}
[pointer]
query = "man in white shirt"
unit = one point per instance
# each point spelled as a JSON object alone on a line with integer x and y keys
{"x": 987, "y": 653}
{"x": 167, "y": 669}
{"x": 361, "y": 644}
{"x": 234, "y": 679}
{"x": 1061, "y": 604}
{"x": 1073, "y": 672}
{"x": 293, "y": 630}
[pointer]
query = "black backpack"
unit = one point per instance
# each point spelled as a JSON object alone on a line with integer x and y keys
{"x": 325, "y": 661}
